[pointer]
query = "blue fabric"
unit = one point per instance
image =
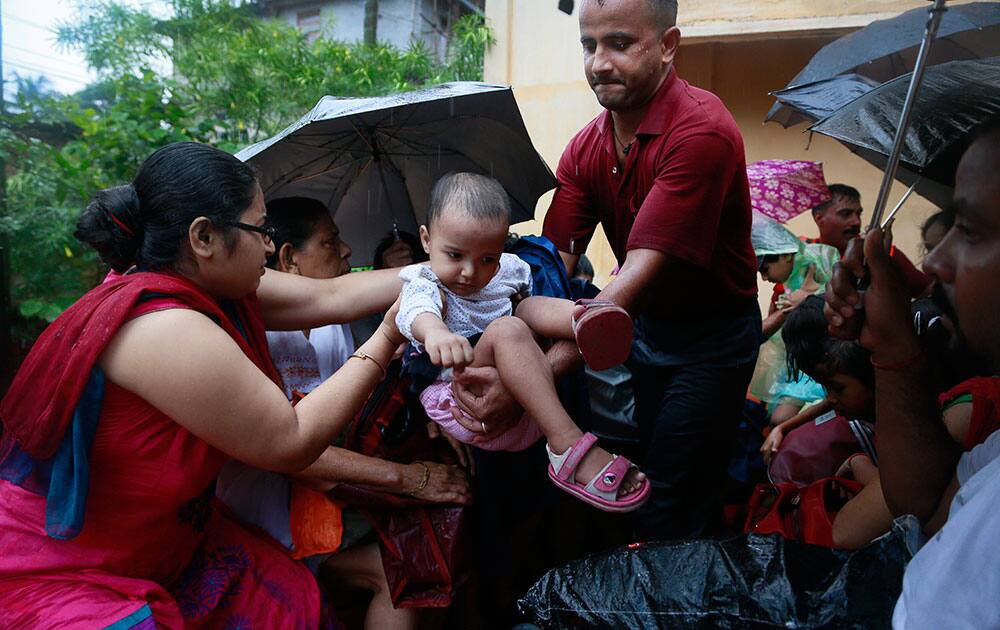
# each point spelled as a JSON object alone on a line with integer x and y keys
{"x": 129, "y": 622}
{"x": 548, "y": 273}
{"x": 69, "y": 482}
{"x": 24, "y": 470}
{"x": 581, "y": 289}
{"x": 804, "y": 388}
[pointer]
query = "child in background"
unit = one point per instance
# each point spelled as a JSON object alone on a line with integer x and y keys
{"x": 463, "y": 298}
{"x": 803, "y": 269}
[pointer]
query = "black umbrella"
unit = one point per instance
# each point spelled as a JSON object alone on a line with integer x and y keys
{"x": 817, "y": 100}
{"x": 886, "y": 49}
{"x": 373, "y": 161}
{"x": 955, "y": 98}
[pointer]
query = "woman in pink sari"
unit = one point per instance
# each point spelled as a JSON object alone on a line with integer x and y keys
{"x": 129, "y": 404}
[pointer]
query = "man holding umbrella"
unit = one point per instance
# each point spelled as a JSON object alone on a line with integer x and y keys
{"x": 663, "y": 171}
{"x": 951, "y": 579}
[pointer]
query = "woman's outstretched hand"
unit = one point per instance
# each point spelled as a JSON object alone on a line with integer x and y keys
{"x": 445, "y": 484}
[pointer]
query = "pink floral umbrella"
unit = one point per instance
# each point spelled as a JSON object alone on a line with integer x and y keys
{"x": 782, "y": 189}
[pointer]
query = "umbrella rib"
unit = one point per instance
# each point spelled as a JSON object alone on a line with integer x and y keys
{"x": 364, "y": 138}
{"x": 305, "y": 178}
{"x": 298, "y": 176}
{"x": 298, "y": 172}
{"x": 417, "y": 145}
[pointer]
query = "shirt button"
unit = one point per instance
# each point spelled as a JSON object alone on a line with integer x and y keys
{"x": 614, "y": 170}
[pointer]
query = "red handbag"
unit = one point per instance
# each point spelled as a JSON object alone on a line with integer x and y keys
{"x": 803, "y": 514}
{"x": 422, "y": 545}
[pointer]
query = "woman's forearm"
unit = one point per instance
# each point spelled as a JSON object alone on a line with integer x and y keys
{"x": 338, "y": 465}
{"x": 292, "y": 302}
{"x": 326, "y": 411}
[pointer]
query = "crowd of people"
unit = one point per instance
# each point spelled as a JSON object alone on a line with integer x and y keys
{"x": 171, "y": 446}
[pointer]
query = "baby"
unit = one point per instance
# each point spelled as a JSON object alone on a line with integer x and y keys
{"x": 458, "y": 310}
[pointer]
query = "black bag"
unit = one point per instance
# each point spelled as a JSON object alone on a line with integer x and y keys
{"x": 748, "y": 581}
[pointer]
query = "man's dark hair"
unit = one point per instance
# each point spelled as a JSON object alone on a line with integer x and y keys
{"x": 665, "y": 12}
{"x": 945, "y": 218}
{"x": 810, "y": 348}
{"x": 477, "y": 196}
{"x": 838, "y": 191}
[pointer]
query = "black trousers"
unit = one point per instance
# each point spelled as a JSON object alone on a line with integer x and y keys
{"x": 687, "y": 417}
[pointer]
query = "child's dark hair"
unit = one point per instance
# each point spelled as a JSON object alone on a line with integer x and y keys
{"x": 144, "y": 223}
{"x": 809, "y": 348}
{"x": 476, "y": 195}
{"x": 411, "y": 240}
{"x": 294, "y": 220}
{"x": 944, "y": 217}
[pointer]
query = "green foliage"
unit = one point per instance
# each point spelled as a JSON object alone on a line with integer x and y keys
{"x": 212, "y": 72}
{"x": 467, "y": 48}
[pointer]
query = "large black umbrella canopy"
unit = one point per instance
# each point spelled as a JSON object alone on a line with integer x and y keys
{"x": 955, "y": 98}
{"x": 888, "y": 48}
{"x": 373, "y": 161}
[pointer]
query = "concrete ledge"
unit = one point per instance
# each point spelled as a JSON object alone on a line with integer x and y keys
{"x": 736, "y": 30}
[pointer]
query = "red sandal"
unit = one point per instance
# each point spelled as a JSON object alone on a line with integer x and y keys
{"x": 603, "y": 333}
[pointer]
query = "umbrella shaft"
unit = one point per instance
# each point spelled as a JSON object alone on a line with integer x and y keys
{"x": 935, "y": 14}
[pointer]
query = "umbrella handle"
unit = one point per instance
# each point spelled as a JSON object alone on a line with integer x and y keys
{"x": 935, "y": 14}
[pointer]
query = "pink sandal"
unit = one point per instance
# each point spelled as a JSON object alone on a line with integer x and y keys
{"x": 603, "y": 334}
{"x": 602, "y": 491}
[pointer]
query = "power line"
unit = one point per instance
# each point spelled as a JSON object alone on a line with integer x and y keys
{"x": 45, "y": 71}
{"x": 8, "y": 16}
{"x": 43, "y": 56}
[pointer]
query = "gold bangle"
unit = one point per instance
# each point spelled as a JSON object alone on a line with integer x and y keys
{"x": 364, "y": 356}
{"x": 423, "y": 480}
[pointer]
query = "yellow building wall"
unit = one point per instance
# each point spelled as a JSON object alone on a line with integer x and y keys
{"x": 538, "y": 54}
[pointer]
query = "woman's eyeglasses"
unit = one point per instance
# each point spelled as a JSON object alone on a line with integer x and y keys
{"x": 267, "y": 231}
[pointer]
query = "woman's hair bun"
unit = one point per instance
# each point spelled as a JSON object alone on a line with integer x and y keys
{"x": 111, "y": 224}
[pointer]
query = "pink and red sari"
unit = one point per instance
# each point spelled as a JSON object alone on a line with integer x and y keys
{"x": 128, "y": 534}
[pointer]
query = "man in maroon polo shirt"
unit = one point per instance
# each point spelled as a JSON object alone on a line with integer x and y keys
{"x": 663, "y": 171}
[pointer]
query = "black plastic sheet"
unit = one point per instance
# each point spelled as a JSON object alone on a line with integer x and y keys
{"x": 747, "y": 581}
